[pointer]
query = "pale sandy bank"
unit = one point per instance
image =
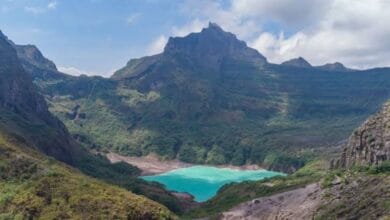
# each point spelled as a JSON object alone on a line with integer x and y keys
{"x": 151, "y": 164}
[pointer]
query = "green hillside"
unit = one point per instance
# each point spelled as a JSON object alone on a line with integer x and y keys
{"x": 239, "y": 109}
{"x": 24, "y": 116}
{"x": 33, "y": 186}
{"x": 353, "y": 185}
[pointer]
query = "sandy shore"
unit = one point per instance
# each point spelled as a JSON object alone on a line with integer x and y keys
{"x": 151, "y": 164}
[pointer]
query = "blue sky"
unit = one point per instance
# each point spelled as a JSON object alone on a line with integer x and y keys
{"x": 96, "y": 36}
{"x": 100, "y": 36}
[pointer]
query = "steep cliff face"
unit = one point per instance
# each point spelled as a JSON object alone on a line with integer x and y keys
{"x": 370, "y": 143}
{"x": 26, "y": 110}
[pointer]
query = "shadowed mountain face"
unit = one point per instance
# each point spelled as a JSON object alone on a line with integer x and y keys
{"x": 24, "y": 105}
{"x": 208, "y": 50}
{"x": 30, "y": 181}
{"x": 208, "y": 98}
{"x": 212, "y": 47}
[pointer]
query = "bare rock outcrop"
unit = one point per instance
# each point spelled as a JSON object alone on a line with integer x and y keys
{"x": 299, "y": 203}
{"x": 370, "y": 143}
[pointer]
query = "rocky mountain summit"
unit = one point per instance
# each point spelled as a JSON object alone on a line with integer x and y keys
{"x": 337, "y": 66}
{"x": 211, "y": 47}
{"x": 297, "y": 62}
{"x": 208, "y": 49}
{"x": 31, "y": 54}
{"x": 370, "y": 143}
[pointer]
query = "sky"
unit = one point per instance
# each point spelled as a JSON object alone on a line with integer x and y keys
{"x": 97, "y": 37}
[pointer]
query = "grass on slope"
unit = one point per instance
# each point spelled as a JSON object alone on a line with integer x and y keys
{"x": 34, "y": 186}
{"x": 362, "y": 193}
{"x": 34, "y": 132}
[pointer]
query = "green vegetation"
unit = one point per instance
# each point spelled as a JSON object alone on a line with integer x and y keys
{"x": 37, "y": 135}
{"x": 33, "y": 186}
{"x": 360, "y": 193}
{"x": 382, "y": 168}
{"x": 222, "y": 117}
{"x": 182, "y": 104}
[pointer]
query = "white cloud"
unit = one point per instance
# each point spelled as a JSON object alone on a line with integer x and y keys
{"x": 132, "y": 18}
{"x": 194, "y": 26}
{"x": 353, "y": 32}
{"x": 75, "y": 71}
{"x": 52, "y": 5}
{"x": 203, "y": 11}
{"x": 157, "y": 46}
{"x": 295, "y": 13}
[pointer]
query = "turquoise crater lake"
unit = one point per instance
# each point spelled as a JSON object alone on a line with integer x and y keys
{"x": 203, "y": 182}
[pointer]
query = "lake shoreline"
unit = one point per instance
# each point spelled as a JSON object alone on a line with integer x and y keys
{"x": 153, "y": 165}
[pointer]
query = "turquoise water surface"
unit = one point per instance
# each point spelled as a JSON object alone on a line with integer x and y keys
{"x": 203, "y": 182}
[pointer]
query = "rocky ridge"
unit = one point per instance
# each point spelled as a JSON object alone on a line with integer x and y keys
{"x": 337, "y": 66}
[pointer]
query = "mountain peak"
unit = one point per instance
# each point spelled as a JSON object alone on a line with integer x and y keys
{"x": 211, "y": 47}
{"x": 214, "y": 26}
{"x": 337, "y": 66}
{"x": 31, "y": 54}
{"x": 297, "y": 62}
{"x": 208, "y": 49}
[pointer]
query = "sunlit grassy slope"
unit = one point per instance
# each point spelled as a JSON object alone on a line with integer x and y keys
{"x": 35, "y": 186}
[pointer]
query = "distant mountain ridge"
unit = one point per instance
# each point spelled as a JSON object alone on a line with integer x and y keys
{"x": 300, "y": 62}
{"x": 297, "y": 62}
{"x": 234, "y": 108}
{"x": 337, "y": 66}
